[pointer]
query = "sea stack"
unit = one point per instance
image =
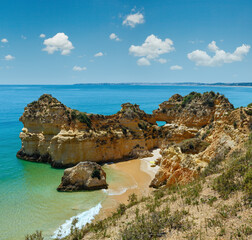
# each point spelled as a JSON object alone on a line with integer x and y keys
{"x": 83, "y": 176}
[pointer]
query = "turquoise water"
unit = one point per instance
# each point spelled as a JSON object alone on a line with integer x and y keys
{"x": 29, "y": 200}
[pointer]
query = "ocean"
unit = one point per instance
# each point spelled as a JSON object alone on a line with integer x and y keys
{"x": 29, "y": 200}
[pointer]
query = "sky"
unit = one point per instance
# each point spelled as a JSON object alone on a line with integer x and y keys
{"x": 95, "y": 41}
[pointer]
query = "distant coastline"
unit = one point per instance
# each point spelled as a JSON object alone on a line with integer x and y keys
{"x": 218, "y": 84}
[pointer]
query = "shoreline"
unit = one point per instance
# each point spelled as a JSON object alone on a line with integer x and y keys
{"x": 140, "y": 174}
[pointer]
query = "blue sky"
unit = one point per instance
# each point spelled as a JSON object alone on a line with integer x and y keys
{"x": 153, "y": 41}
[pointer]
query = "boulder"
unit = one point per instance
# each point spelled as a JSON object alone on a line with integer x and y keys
{"x": 83, "y": 176}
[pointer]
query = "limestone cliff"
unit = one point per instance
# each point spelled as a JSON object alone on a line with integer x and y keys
{"x": 193, "y": 110}
{"x": 64, "y": 137}
{"x": 199, "y": 128}
{"x": 182, "y": 162}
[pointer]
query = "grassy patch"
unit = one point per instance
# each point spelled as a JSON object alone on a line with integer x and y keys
{"x": 237, "y": 175}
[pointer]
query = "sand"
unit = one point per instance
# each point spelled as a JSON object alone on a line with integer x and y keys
{"x": 139, "y": 175}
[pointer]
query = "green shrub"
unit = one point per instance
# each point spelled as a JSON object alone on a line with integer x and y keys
{"x": 150, "y": 226}
{"x": 249, "y": 112}
{"x": 73, "y": 114}
{"x": 35, "y": 236}
{"x": 83, "y": 118}
{"x": 132, "y": 200}
{"x": 187, "y": 99}
{"x": 121, "y": 209}
{"x": 237, "y": 175}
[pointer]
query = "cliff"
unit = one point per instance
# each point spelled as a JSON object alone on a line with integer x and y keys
{"x": 64, "y": 137}
{"x": 183, "y": 161}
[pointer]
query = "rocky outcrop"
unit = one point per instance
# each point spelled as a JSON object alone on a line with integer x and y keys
{"x": 193, "y": 110}
{"x": 64, "y": 137}
{"x": 83, "y": 176}
{"x": 183, "y": 161}
{"x": 199, "y": 129}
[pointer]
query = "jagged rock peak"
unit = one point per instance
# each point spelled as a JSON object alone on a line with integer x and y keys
{"x": 207, "y": 99}
{"x": 194, "y": 109}
{"x": 131, "y": 111}
{"x": 45, "y": 99}
{"x": 45, "y": 109}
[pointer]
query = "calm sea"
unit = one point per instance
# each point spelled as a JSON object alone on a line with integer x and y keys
{"x": 28, "y": 196}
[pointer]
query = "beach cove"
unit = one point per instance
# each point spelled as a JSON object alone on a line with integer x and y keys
{"x": 29, "y": 199}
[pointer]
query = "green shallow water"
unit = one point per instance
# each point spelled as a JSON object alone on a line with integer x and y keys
{"x": 31, "y": 201}
{"x": 28, "y": 196}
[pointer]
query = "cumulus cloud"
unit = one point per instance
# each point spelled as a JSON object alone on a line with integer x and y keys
{"x": 113, "y": 36}
{"x": 59, "y": 42}
{"x": 9, "y": 57}
{"x": 152, "y": 48}
{"x": 79, "y": 69}
{"x": 176, "y": 67}
{"x": 143, "y": 62}
{"x": 4, "y": 40}
{"x": 133, "y": 19}
{"x": 201, "y": 58}
{"x": 42, "y": 35}
{"x": 162, "y": 60}
{"x": 99, "y": 54}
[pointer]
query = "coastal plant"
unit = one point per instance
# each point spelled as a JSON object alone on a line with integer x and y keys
{"x": 35, "y": 236}
{"x": 227, "y": 211}
{"x": 237, "y": 175}
{"x": 121, "y": 209}
{"x": 132, "y": 200}
{"x": 83, "y": 118}
{"x": 146, "y": 226}
{"x": 187, "y": 99}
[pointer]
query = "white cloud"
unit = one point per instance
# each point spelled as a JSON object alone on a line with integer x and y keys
{"x": 176, "y": 67}
{"x": 212, "y": 46}
{"x": 113, "y": 36}
{"x": 99, "y": 54}
{"x": 79, "y": 69}
{"x": 152, "y": 48}
{"x": 42, "y": 35}
{"x": 23, "y": 37}
{"x": 143, "y": 62}
{"x": 59, "y": 42}
{"x": 162, "y": 60}
{"x": 201, "y": 58}
{"x": 9, "y": 57}
{"x": 133, "y": 19}
{"x": 4, "y": 40}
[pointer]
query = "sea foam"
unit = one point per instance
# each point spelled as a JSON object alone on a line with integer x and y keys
{"x": 83, "y": 218}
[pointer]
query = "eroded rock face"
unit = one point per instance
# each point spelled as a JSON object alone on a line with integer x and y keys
{"x": 64, "y": 137}
{"x": 83, "y": 176}
{"x": 193, "y": 110}
{"x": 199, "y": 129}
{"x": 183, "y": 161}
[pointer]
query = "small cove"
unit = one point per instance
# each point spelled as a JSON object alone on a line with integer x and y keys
{"x": 29, "y": 200}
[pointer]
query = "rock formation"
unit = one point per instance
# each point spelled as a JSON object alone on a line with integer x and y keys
{"x": 182, "y": 162}
{"x": 83, "y": 176}
{"x": 64, "y": 137}
{"x": 198, "y": 129}
{"x": 193, "y": 110}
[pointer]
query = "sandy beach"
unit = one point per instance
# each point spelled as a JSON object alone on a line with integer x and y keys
{"x": 139, "y": 175}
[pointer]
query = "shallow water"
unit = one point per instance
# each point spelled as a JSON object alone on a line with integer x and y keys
{"x": 29, "y": 200}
